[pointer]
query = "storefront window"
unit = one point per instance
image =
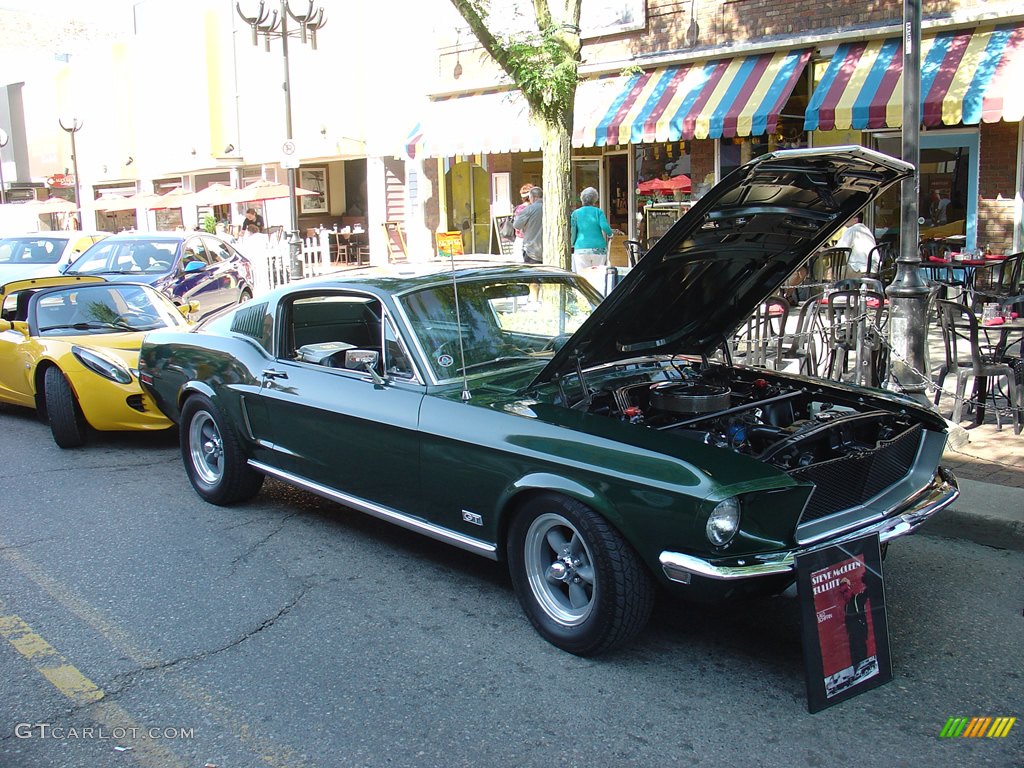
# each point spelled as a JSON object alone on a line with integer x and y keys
{"x": 669, "y": 163}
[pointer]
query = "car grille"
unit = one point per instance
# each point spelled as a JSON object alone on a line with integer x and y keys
{"x": 851, "y": 480}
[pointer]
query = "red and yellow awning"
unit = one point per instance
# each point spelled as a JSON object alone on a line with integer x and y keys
{"x": 968, "y": 76}
{"x": 741, "y": 96}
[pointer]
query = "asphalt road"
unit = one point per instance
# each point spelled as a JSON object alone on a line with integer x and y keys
{"x": 294, "y": 632}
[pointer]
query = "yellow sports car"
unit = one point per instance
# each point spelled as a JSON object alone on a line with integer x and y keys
{"x": 69, "y": 347}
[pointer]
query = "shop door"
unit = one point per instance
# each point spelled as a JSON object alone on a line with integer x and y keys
{"x": 615, "y": 202}
{"x": 470, "y": 206}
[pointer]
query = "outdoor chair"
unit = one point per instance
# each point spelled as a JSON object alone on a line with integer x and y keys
{"x": 633, "y": 251}
{"x": 761, "y": 342}
{"x": 831, "y": 263}
{"x": 853, "y": 323}
{"x": 801, "y": 346}
{"x": 960, "y": 330}
{"x": 881, "y": 262}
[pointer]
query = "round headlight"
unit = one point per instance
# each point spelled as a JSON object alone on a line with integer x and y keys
{"x": 723, "y": 522}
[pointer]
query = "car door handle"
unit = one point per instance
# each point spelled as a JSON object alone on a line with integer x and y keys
{"x": 271, "y": 373}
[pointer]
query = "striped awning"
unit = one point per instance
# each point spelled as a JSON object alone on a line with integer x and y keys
{"x": 967, "y": 76}
{"x": 742, "y": 96}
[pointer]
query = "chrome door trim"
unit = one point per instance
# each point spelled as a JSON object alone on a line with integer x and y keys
{"x": 386, "y": 514}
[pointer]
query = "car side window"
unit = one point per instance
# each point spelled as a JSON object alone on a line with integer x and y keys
{"x": 321, "y": 328}
{"x": 194, "y": 255}
{"x": 217, "y": 250}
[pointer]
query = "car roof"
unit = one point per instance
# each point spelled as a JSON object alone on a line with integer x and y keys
{"x": 67, "y": 234}
{"x": 400, "y": 278}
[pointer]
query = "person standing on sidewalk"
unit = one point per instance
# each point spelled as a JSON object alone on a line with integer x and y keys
{"x": 531, "y": 222}
{"x": 517, "y": 243}
{"x": 589, "y": 233}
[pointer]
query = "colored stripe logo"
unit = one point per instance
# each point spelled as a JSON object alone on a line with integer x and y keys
{"x": 977, "y": 727}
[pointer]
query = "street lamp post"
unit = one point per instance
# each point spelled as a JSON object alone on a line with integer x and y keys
{"x": 274, "y": 24}
{"x": 908, "y": 292}
{"x": 75, "y": 127}
{"x": 3, "y": 143}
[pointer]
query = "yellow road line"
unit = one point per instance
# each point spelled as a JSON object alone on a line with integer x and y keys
{"x": 270, "y": 751}
{"x": 82, "y": 691}
{"x": 50, "y": 664}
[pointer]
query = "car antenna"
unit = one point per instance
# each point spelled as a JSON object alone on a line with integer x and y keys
{"x": 458, "y": 324}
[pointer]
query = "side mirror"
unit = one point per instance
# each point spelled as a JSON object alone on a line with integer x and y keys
{"x": 364, "y": 360}
{"x": 189, "y": 309}
{"x": 194, "y": 266}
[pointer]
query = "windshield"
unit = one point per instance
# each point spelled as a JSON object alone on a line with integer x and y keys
{"x": 31, "y": 250}
{"x": 127, "y": 257}
{"x": 504, "y": 322}
{"x": 102, "y": 308}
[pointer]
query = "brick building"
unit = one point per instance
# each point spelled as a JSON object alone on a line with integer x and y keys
{"x": 694, "y": 88}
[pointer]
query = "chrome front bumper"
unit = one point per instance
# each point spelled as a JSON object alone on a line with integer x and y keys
{"x": 943, "y": 491}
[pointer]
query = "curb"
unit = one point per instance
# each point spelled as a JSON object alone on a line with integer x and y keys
{"x": 987, "y": 514}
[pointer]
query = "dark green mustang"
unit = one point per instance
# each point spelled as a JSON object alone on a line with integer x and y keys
{"x": 597, "y": 447}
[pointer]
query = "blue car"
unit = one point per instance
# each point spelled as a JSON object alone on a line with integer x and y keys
{"x": 185, "y": 266}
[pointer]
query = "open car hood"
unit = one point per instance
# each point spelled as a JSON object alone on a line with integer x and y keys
{"x": 732, "y": 250}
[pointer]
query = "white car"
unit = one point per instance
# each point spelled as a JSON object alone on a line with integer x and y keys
{"x": 42, "y": 254}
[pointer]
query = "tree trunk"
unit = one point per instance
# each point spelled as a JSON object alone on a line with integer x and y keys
{"x": 556, "y": 136}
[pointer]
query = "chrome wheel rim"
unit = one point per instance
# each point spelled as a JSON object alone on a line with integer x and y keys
{"x": 560, "y": 569}
{"x": 206, "y": 448}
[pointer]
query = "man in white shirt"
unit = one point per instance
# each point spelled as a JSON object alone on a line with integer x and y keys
{"x": 860, "y": 240}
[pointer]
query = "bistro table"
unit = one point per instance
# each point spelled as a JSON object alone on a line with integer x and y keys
{"x": 957, "y": 261}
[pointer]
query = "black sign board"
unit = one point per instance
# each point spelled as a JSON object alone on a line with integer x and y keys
{"x": 842, "y": 609}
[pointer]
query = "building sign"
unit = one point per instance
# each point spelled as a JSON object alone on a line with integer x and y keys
{"x": 842, "y": 609}
{"x": 61, "y": 180}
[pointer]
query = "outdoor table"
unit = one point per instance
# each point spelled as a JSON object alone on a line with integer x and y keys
{"x": 969, "y": 266}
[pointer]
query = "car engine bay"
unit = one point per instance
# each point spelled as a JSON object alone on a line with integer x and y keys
{"x": 786, "y": 423}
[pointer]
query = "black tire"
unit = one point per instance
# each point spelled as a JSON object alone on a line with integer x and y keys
{"x": 581, "y": 584}
{"x": 213, "y": 457}
{"x": 244, "y": 296}
{"x": 65, "y": 416}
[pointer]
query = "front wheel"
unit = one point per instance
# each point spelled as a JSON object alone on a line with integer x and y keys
{"x": 581, "y": 584}
{"x": 213, "y": 457}
{"x": 244, "y": 296}
{"x": 66, "y": 420}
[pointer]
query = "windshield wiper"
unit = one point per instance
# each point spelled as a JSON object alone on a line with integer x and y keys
{"x": 91, "y": 326}
{"x": 493, "y": 361}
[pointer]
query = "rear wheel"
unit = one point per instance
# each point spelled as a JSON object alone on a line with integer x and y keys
{"x": 66, "y": 420}
{"x": 581, "y": 584}
{"x": 212, "y": 454}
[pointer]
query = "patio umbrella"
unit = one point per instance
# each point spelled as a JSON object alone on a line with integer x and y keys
{"x": 130, "y": 203}
{"x": 176, "y": 198}
{"x": 671, "y": 184}
{"x": 50, "y": 205}
{"x": 216, "y": 194}
{"x": 264, "y": 189}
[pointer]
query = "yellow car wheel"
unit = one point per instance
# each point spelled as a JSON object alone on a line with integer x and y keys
{"x": 66, "y": 421}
